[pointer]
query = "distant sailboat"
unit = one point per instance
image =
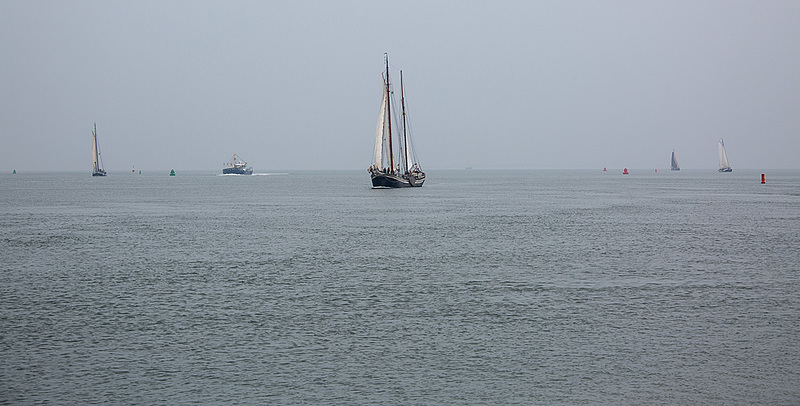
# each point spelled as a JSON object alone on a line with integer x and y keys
{"x": 388, "y": 170}
{"x": 97, "y": 160}
{"x": 674, "y": 163}
{"x": 724, "y": 166}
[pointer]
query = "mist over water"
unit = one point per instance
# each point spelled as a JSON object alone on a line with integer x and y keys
{"x": 482, "y": 287}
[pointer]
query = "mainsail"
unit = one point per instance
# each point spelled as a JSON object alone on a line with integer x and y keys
{"x": 674, "y": 163}
{"x": 382, "y": 131}
{"x": 95, "y": 163}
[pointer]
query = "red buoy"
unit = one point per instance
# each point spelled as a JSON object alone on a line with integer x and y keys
{"x": 625, "y": 171}
{"x": 763, "y": 180}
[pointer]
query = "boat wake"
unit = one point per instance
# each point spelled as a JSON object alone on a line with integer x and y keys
{"x": 254, "y": 174}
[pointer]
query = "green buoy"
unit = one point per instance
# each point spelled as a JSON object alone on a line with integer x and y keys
{"x": 172, "y": 172}
{"x": 14, "y": 173}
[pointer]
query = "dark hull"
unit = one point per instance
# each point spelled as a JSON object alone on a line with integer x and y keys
{"x": 726, "y": 170}
{"x": 99, "y": 173}
{"x": 675, "y": 169}
{"x": 395, "y": 181}
{"x": 237, "y": 171}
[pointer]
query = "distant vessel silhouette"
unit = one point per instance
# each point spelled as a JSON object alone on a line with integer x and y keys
{"x": 97, "y": 160}
{"x": 674, "y": 163}
{"x": 724, "y": 166}
{"x": 237, "y": 166}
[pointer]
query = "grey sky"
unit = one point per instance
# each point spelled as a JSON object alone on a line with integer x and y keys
{"x": 296, "y": 84}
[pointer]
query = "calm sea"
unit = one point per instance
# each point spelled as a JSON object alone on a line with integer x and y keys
{"x": 482, "y": 287}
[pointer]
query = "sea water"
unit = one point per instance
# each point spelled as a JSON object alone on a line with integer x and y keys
{"x": 482, "y": 287}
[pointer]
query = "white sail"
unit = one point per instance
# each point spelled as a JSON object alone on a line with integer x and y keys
{"x": 409, "y": 161}
{"x": 381, "y": 132}
{"x": 95, "y": 165}
{"x": 723, "y": 156}
{"x": 674, "y": 163}
{"x": 387, "y": 133}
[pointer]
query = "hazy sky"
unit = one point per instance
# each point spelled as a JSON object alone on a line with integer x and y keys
{"x": 489, "y": 84}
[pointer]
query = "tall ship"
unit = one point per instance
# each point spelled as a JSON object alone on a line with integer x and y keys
{"x": 236, "y": 166}
{"x": 97, "y": 160}
{"x": 673, "y": 163}
{"x": 394, "y": 163}
{"x": 724, "y": 166}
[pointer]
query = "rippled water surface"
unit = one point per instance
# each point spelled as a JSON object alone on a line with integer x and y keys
{"x": 482, "y": 287}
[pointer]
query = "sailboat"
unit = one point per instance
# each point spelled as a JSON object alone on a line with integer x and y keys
{"x": 674, "y": 163}
{"x": 97, "y": 161}
{"x": 237, "y": 166}
{"x": 394, "y": 164}
{"x": 724, "y": 166}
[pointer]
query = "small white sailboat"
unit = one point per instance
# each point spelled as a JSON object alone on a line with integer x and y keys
{"x": 97, "y": 160}
{"x": 674, "y": 163}
{"x": 388, "y": 170}
{"x": 724, "y": 166}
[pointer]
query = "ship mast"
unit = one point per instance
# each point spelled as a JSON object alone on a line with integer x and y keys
{"x": 389, "y": 114}
{"x": 405, "y": 136}
{"x": 95, "y": 152}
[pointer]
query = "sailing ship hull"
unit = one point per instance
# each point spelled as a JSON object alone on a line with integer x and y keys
{"x": 726, "y": 170}
{"x": 388, "y": 180}
{"x": 99, "y": 173}
{"x": 237, "y": 171}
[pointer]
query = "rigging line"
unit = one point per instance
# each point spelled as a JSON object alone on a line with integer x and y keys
{"x": 410, "y": 130}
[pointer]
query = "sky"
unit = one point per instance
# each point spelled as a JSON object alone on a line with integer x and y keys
{"x": 296, "y": 85}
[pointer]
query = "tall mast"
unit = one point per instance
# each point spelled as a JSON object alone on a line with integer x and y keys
{"x": 389, "y": 114}
{"x": 405, "y": 136}
{"x": 95, "y": 153}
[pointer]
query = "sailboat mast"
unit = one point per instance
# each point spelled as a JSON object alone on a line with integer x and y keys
{"x": 405, "y": 135}
{"x": 389, "y": 114}
{"x": 94, "y": 148}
